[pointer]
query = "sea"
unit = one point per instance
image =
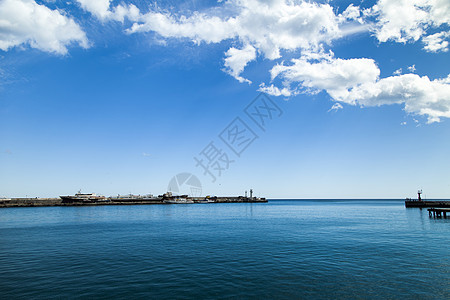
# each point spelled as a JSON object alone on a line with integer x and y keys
{"x": 283, "y": 249}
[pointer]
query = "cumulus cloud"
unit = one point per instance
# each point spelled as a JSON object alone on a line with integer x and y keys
{"x": 408, "y": 20}
{"x": 101, "y": 9}
{"x": 419, "y": 94}
{"x": 352, "y": 13}
{"x": 269, "y": 26}
{"x": 436, "y": 42}
{"x": 237, "y": 60}
{"x": 336, "y": 76}
{"x": 272, "y": 28}
{"x": 275, "y": 91}
{"x": 199, "y": 27}
{"x": 26, "y": 22}
{"x": 357, "y": 82}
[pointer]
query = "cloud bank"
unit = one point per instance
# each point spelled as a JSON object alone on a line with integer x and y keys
{"x": 273, "y": 30}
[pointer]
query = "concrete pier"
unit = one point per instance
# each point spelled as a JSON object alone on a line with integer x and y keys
{"x": 30, "y": 202}
{"x": 422, "y": 203}
{"x": 34, "y": 202}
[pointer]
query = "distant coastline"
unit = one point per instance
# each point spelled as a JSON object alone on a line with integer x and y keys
{"x": 48, "y": 202}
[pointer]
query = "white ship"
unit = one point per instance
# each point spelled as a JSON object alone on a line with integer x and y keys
{"x": 170, "y": 199}
{"x": 84, "y": 198}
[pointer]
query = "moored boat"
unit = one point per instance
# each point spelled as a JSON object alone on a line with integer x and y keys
{"x": 178, "y": 200}
{"x": 206, "y": 200}
{"x": 84, "y": 198}
{"x": 135, "y": 198}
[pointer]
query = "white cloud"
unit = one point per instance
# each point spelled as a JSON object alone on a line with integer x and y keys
{"x": 335, "y": 76}
{"x": 336, "y": 107}
{"x": 269, "y": 26}
{"x": 198, "y": 27}
{"x": 436, "y": 42}
{"x": 412, "y": 68}
{"x": 101, "y": 9}
{"x": 26, "y": 22}
{"x": 408, "y": 20}
{"x": 275, "y": 91}
{"x": 420, "y": 95}
{"x": 352, "y": 13}
{"x": 120, "y": 12}
{"x": 273, "y": 28}
{"x": 357, "y": 82}
{"x": 237, "y": 60}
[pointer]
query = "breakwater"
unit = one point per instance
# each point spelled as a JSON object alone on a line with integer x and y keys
{"x": 36, "y": 202}
{"x": 425, "y": 203}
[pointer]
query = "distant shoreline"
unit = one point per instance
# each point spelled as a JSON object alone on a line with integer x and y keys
{"x": 52, "y": 202}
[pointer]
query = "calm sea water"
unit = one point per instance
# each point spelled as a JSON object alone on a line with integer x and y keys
{"x": 282, "y": 249}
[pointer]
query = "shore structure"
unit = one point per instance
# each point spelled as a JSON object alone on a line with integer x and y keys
{"x": 425, "y": 203}
{"x": 90, "y": 199}
{"x": 438, "y": 212}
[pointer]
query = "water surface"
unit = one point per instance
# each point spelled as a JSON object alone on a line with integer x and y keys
{"x": 323, "y": 249}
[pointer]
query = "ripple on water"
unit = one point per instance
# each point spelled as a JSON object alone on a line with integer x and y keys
{"x": 285, "y": 249}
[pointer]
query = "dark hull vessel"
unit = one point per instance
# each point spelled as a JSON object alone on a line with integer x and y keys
{"x": 84, "y": 198}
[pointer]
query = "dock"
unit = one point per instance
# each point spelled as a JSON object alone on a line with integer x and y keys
{"x": 438, "y": 212}
{"x": 158, "y": 200}
{"x": 29, "y": 202}
{"x": 424, "y": 204}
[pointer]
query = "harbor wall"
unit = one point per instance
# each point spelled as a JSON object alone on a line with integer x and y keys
{"x": 30, "y": 202}
{"x": 416, "y": 203}
{"x": 36, "y": 202}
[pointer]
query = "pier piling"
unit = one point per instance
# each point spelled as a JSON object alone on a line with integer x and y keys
{"x": 438, "y": 212}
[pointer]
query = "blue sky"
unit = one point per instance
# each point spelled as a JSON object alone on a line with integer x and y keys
{"x": 120, "y": 96}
